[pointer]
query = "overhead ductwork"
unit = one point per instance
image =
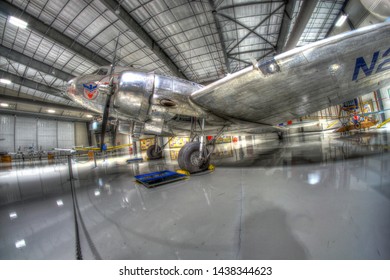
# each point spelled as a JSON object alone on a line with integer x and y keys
{"x": 303, "y": 17}
{"x": 379, "y": 8}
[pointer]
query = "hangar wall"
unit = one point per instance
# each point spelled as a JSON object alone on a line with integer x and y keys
{"x": 121, "y": 139}
{"x": 81, "y": 136}
{"x": 42, "y": 134}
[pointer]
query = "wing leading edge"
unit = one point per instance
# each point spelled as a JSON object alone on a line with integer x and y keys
{"x": 303, "y": 80}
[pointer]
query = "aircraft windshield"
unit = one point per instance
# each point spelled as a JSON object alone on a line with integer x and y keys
{"x": 100, "y": 71}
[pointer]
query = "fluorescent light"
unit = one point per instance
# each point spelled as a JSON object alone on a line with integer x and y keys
{"x": 89, "y": 116}
{"x": 4, "y": 105}
{"x": 13, "y": 215}
{"x": 60, "y": 203}
{"x": 97, "y": 193}
{"x": 51, "y": 111}
{"x": 341, "y": 20}
{"x": 18, "y": 22}
{"x": 5, "y": 81}
{"x": 314, "y": 178}
{"x": 20, "y": 243}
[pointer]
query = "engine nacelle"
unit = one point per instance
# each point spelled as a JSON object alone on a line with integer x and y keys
{"x": 152, "y": 100}
{"x": 134, "y": 92}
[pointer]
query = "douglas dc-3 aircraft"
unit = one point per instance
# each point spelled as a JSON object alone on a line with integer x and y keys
{"x": 253, "y": 100}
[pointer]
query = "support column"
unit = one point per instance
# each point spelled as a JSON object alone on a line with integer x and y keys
{"x": 378, "y": 99}
{"x": 36, "y": 133}
{"x": 15, "y": 133}
{"x": 74, "y": 133}
{"x": 58, "y": 146}
{"x": 89, "y": 134}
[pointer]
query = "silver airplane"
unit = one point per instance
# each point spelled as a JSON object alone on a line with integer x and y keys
{"x": 253, "y": 100}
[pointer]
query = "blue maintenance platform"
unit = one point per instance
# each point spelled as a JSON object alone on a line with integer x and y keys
{"x": 154, "y": 179}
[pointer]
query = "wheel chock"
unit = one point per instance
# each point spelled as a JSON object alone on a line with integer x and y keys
{"x": 211, "y": 167}
{"x": 182, "y": 171}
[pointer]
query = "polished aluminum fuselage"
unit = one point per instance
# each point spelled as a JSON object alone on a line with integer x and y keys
{"x": 293, "y": 84}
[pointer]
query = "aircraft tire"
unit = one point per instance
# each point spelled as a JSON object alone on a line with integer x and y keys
{"x": 151, "y": 153}
{"x": 188, "y": 158}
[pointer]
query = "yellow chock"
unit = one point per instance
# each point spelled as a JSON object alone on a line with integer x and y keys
{"x": 211, "y": 167}
{"x": 182, "y": 171}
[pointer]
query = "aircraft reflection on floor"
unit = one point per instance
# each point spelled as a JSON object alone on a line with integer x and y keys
{"x": 310, "y": 148}
{"x": 271, "y": 181}
{"x": 26, "y": 181}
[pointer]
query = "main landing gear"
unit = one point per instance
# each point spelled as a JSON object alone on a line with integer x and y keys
{"x": 192, "y": 159}
{"x": 154, "y": 152}
{"x": 195, "y": 156}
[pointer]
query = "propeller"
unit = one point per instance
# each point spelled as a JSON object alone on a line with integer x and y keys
{"x": 110, "y": 93}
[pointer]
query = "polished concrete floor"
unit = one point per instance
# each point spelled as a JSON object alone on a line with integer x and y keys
{"x": 310, "y": 196}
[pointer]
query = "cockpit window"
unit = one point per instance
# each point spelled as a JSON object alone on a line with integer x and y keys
{"x": 100, "y": 71}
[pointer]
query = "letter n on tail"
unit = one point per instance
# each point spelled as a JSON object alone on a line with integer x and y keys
{"x": 361, "y": 64}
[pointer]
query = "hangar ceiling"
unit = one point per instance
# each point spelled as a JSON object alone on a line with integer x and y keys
{"x": 198, "y": 40}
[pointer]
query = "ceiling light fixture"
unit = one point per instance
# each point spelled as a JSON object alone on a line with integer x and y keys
{"x": 20, "y": 243}
{"x": 51, "y": 111}
{"x": 13, "y": 215}
{"x": 341, "y": 20}
{"x": 89, "y": 116}
{"x": 5, "y": 81}
{"x": 4, "y": 104}
{"x": 18, "y": 22}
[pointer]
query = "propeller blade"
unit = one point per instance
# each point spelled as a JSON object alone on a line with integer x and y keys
{"x": 111, "y": 91}
{"x": 105, "y": 120}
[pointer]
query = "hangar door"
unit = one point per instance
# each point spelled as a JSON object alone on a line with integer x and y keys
{"x": 35, "y": 133}
{"x": 7, "y": 124}
{"x": 47, "y": 134}
{"x": 66, "y": 137}
{"x": 25, "y": 133}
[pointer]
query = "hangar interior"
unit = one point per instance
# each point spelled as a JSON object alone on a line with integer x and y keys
{"x": 315, "y": 194}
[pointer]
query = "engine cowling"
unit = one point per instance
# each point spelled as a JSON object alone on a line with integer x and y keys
{"x": 152, "y": 100}
{"x": 134, "y": 99}
{"x": 134, "y": 92}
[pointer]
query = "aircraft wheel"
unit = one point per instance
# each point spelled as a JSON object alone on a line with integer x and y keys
{"x": 189, "y": 158}
{"x": 152, "y": 154}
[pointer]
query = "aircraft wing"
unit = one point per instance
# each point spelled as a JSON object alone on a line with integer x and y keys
{"x": 303, "y": 80}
